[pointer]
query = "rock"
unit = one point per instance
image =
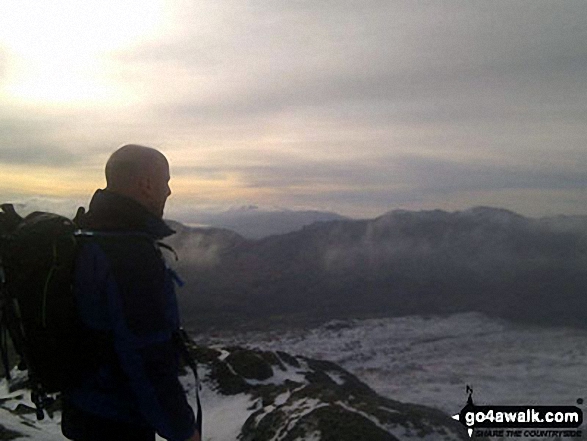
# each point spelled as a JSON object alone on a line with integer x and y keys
{"x": 298, "y": 398}
{"x": 254, "y": 395}
{"x": 249, "y": 365}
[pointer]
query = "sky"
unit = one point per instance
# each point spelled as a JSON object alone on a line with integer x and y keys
{"x": 357, "y": 107}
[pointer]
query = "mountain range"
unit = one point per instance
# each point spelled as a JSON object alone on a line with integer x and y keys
{"x": 404, "y": 262}
{"x": 255, "y": 222}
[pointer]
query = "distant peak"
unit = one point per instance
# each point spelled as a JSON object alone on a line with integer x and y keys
{"x": 493, "y": 213}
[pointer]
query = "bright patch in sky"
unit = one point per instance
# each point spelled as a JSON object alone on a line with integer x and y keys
{"x": 57, "y": 52}
{"x": 353, "y": 107}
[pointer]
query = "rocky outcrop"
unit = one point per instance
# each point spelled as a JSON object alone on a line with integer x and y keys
{"x": 298, "y": 398}
{"x": 254, "y": 395}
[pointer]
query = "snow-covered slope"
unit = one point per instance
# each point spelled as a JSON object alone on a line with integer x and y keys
{"x": 299, "y": 398}
{"x": 253, "y": 395}
{"x": 427, "y": 361}
{"x": 430, "y": 360}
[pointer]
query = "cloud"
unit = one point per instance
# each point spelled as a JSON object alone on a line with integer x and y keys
{"x": 201, "y": 172}
{"x": 47, "y": 155}
{"x": 452, "y": 60}
{"x": 438, "y": 176}
{"x": 393, "y": 171}
{"x": 61, "y": 138}
{"x": 336, "y": 103}
{"x": 34, "y": 141}
{"x": 363, "y": 184}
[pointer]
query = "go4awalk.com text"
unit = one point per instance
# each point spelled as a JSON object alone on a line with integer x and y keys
{"x": 521, "y": 421}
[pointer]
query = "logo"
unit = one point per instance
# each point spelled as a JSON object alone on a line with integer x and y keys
{"x": 517, "y": 421}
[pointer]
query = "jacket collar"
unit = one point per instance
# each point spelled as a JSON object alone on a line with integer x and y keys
{"x": 111, "y": 211}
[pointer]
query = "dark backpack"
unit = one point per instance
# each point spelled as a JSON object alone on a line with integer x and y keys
{"x": 37, "y": 302}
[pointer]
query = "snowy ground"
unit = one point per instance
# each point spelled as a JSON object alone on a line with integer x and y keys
{"x": 431, "y": 360}
{"x": 217, "y": 426}
{"x": 420, "y": 360}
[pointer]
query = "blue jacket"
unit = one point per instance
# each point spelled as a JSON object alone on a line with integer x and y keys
{"x": 126, "y": 298}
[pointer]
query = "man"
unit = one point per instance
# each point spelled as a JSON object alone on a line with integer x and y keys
{"x": 126, "y": 300}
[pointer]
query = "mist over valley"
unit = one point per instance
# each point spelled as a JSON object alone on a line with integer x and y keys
{"x": 483, "y": 259}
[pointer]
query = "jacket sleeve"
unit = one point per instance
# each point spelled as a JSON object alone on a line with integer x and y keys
{"x": 143, "y": 312}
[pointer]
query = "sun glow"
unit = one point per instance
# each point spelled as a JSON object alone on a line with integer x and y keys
{"x": 48, "y": 181}
{"x": 57, "y": 52}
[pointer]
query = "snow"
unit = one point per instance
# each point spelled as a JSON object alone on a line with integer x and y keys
{"x": 296, "y": 411}
{"x": 223, "y": 415}
{"x": 281, "y": 398}
{"x": 363, "y": 414}
{"x": 422, "y": 360}
{"x": 430, "y": 360}
{"x": 279, "y": 376}
{"x": 315, "y": 436}
{"x": 27, "y": 424}
{"x": 47, "y": 430}
{"x": 336, "y": 378}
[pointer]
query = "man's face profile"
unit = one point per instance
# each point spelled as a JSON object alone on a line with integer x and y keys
{"x": 156, "y": 186}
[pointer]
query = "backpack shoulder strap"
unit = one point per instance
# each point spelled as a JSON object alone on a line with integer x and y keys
{"x": 9, "y": 218}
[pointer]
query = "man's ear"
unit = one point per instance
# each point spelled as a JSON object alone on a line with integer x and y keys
{"x": 144, "y": 186}
{"x": 144, "y": 183}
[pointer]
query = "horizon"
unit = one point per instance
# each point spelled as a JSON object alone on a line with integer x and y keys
{"x": 353, "y": 109}
{"x": 191, "y": 218}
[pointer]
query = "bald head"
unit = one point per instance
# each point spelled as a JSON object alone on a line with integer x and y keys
{"x": 140, "y": 173}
